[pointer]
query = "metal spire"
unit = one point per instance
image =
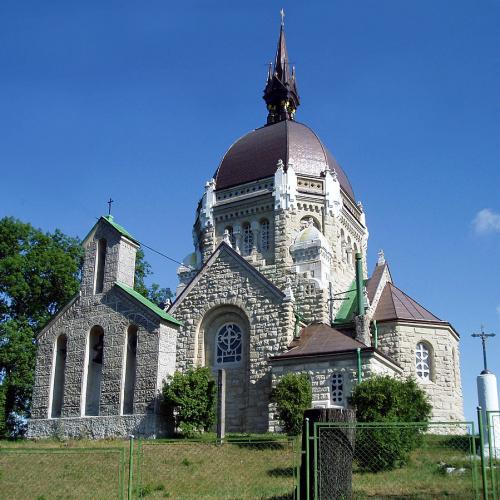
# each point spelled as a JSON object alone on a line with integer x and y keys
{"x": 281, "y": 94}
{"x": 483, "y": 336}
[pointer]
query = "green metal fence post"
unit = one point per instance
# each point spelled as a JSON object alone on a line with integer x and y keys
{"x": 472, "y": 445}
{"x": 483, "y": 463}
{"x": 315, "y": 460}
{"x": 308, "y": 479}
{"x": 491, "y": 449}
{"x": 131, "y": 467}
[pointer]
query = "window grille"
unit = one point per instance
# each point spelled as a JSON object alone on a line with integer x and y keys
{"x": 247, "y": 239}
{"x": 338, "y": 389}
{"x": 229, "y": 344}
{"x": 264, "y": 235}
{"x": 422, "y": 362}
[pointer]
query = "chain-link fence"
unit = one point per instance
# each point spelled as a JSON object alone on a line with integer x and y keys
{"x": 346, "y": 461}
{"x": 54, "y": 473}
{"x": 492, "y": 450}
{"x": 394, "y": 460}
{"x": 263, "y": 469}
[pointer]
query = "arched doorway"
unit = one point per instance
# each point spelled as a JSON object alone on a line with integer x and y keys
{"x": 225, "y": 333}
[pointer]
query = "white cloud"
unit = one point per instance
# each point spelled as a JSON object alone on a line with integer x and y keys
{"x": 486, "y": 221}
{"x": 498, "y": 309}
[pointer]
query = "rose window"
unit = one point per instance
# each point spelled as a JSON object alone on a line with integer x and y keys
{"x": 229, "y": 344}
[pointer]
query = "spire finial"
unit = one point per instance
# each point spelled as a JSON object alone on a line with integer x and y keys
{"x": 282, "y": 14}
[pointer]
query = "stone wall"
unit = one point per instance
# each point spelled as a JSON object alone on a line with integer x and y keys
{"x": 147, "y": 426}
{"x": 227, "y": 287}
{"x": 114, "y": 311}
{"x": 119, "y": 260}
{"x": 320, "y": 372}
{"x": 399, "y": 340}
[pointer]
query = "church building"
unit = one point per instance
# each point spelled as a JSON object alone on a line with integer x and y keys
{"x": 278, "y": 282}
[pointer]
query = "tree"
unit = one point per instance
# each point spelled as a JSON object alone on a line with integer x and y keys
{"x": 386, "y": 399}
{"x": 292, "y": 395}
{"x": 154, "y": 293}
{"x": 191, "y": 395}
{"x": 39, "y": 273}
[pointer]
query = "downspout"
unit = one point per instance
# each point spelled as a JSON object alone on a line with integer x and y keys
{"x": 375, "y": 334}
{"x": 359, "y": 284}
{"x": 358, "y": 352}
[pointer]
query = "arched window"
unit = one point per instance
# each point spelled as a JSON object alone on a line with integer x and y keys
{"x": 308, "y": 220}
{"x": 423, "y": 362}
{"x": 92, "y": 381}
{"x": 232, "y": 237}
{"x": 264, "y": 235}
{"x": 228, "y": 345}
{"x": 129, "y": 370}
{"x": 349, "y": 251}
{"x": 99, "y": 266}
{"x": 58, "y": 376}
{"x": 337, "y": 389}
{"x": 247, "y": 239}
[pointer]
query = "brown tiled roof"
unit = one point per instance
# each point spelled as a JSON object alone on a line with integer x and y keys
{"x": 320, "y": 339}
{"x": 256, "y": 155}
{"x": 395, "y": 304}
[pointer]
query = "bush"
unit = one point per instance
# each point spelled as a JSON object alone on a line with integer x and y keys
{"x": 192, "y": 396}
{"x": 386, "y": 399}
{"x": 292, "y": 395}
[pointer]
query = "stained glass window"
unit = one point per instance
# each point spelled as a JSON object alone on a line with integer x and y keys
{"x": 338, "y": 389}
{"x": 229, "y": 344}
{"x": 422, "y": 362}
{"x": 264, "y": 235}
{"x": 247, "y": 239}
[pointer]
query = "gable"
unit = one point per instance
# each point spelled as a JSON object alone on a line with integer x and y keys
{"x": 226, "y": 260}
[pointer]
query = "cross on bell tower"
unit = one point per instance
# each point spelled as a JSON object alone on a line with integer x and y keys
{"x": 110, "y": 202}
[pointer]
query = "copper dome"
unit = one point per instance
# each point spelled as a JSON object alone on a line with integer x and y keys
{"x": 256, "y": 155}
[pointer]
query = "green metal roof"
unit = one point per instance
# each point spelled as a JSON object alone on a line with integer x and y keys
{"x": 146, "y": 302}
{"x": 120, "y": 229}
{"x": 348, "y": 308}
{"x": 109, "y": 219}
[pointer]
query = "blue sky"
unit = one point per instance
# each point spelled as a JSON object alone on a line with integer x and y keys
{"x": 140, "y": 100}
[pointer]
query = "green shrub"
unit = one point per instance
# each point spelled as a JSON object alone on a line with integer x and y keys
{"x": 191, "y": 395}
{"x": 386, "y": 399}
{"x": 292, "y": 395}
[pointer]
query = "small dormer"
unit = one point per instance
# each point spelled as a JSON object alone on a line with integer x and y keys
{"x": 110, "y": 253}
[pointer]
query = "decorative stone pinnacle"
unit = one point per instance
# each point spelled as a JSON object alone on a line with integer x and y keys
{"x": 226, "y": 238}
{"x": 381, "y": 258}
{"x": 280, "y": 164}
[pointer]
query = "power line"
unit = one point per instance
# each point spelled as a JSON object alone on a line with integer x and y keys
{"x": 162, "y": 254}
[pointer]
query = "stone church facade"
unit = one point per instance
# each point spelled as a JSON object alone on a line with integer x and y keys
{"x": 277, "y": 283}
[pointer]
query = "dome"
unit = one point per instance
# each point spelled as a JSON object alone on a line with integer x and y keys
{"x": 309, "y": 236}
{"x": 256, "y": 154}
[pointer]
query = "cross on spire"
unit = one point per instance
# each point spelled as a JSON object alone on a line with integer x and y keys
{"x": 282, "y": 13}
{"x": 110, "y": 202}
{"x": 483, "y": 336}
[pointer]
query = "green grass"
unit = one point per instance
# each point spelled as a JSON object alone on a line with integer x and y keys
{"x": 246, "y": 467}
{"x": 424, "y": 476}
